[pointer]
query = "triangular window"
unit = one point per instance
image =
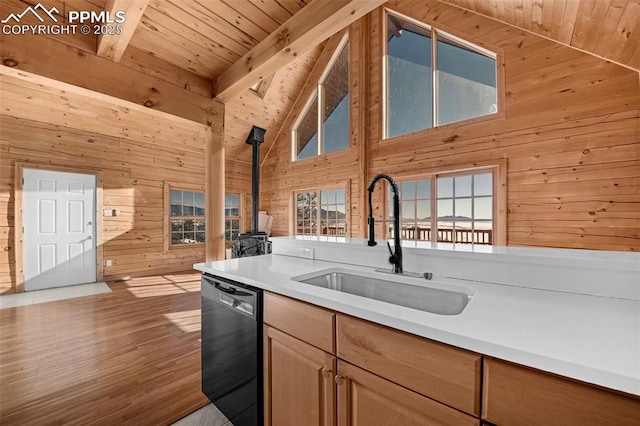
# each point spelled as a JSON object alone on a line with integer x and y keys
{"x": 323, "y": 125}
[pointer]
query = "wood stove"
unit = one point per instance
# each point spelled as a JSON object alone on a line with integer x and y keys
{"x": 253, "y": 243}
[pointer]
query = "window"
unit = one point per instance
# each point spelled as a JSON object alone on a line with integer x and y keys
{"x": 433, "y": 79}
{"x": 307, "y": 213}
{"x": 231, "y": 216}
{"x": 323, "y": 126}
{"x": 321, "y": 212}
{"x": 459, "y": 206}
{"x": 187, "y": 221}
{"x": 306, "y": 134}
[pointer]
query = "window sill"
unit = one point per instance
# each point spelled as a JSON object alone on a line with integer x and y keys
{"x": 500, "y": 115}
{"x": 186, "y": 246}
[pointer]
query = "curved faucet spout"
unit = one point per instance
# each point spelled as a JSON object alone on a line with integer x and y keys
{"x": 381, "y": 176}
{"x": 396, "y": 253}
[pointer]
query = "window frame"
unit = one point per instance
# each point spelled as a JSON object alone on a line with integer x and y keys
{"x": 175, "y": 186}
{"x": 295, "y": 211}
{"x": 436, "y": 34}
{"x": 318, "y": 94}
{"x": 240, "y": 195}
{"x": 499, "y": 199}
{"x": 293, "y": 220}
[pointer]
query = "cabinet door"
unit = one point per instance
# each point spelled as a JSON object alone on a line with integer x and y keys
{"x": 365, "y": 399}
{"x": 298, "y": 381}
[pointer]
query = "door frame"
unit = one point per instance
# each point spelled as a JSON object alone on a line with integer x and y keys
{"x": 18, "y": 219}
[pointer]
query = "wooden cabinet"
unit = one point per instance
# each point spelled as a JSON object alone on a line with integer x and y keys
{"x": 383, "y": 376}
{"x": 299, "y": 382}
{"x": 299, "y": 363}
{"x": 300, "y": 345}
{"x": 365, "y": 399}
{"x": 441, "y": 372}
{"x": 515, "y": 395}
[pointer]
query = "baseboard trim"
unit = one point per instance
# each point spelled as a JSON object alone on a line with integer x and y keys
{"x": 138, "y": 274}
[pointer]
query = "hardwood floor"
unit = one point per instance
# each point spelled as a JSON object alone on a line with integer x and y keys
{"x": 127, "y": 357}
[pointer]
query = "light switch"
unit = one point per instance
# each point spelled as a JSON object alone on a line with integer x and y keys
{"x": 108, "y": 263}
{"x": 107, "y": 213}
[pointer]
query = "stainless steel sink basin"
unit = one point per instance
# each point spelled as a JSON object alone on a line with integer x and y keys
{"x": 404, "y": 291}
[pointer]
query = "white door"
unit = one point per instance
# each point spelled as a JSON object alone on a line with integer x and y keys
{"x": 59, "y": 229}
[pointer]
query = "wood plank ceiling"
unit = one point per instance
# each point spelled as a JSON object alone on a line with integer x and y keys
{"x": 208, "y": 36}
{"x": 606, "y": 28}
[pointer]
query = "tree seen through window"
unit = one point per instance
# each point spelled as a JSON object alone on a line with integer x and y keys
{"x": 321, "y": 212}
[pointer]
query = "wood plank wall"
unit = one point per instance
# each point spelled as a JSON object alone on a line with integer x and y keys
{"x": 133, "y": 172}
{"x": 138, "y": 149}
{"x": 570, "y": 135}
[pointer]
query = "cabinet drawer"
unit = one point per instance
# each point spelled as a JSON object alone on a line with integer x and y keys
{"x": 439, "y": 371}
{"x": 514, "y": 395}
{"x": 365, "y": 399}
{"x": 306, "y": 322}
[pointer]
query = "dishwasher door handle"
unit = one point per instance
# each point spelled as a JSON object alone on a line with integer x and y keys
{"x": 232, "y": 290}
{"x": 241, "y": 300}
{"x": 228, "y": 290}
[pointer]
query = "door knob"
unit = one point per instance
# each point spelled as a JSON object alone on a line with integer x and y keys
{"x": 89, "y": 237}
{"x": 90, "y": 223}
{"x": 326, "y": 373}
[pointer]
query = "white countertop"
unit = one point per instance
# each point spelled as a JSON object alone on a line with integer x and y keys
{"x": 590, "y": 338}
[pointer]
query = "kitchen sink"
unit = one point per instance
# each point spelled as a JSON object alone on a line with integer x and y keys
{"x": 423, "y": 295}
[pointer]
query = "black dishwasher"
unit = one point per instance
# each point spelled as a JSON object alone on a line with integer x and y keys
{"x": 232, "y": 349}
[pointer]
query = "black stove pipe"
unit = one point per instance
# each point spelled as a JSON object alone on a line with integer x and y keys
{"x": 255, "y": 138}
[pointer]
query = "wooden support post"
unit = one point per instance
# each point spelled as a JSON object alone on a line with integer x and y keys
{"x": 214, "y": 190}
{"x": 360, "y": 41}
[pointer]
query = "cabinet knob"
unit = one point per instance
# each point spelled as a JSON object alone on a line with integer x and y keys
{"x": 339, "y": 379}
{"x": 326, "y": 373}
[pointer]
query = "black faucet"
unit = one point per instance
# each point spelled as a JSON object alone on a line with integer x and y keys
{"x": 396, "y": 253}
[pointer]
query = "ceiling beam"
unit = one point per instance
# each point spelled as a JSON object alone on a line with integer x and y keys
{"x": 58, "y": 61}
{"x": 112, "y": 46}
{"x": 313, "y": 24}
